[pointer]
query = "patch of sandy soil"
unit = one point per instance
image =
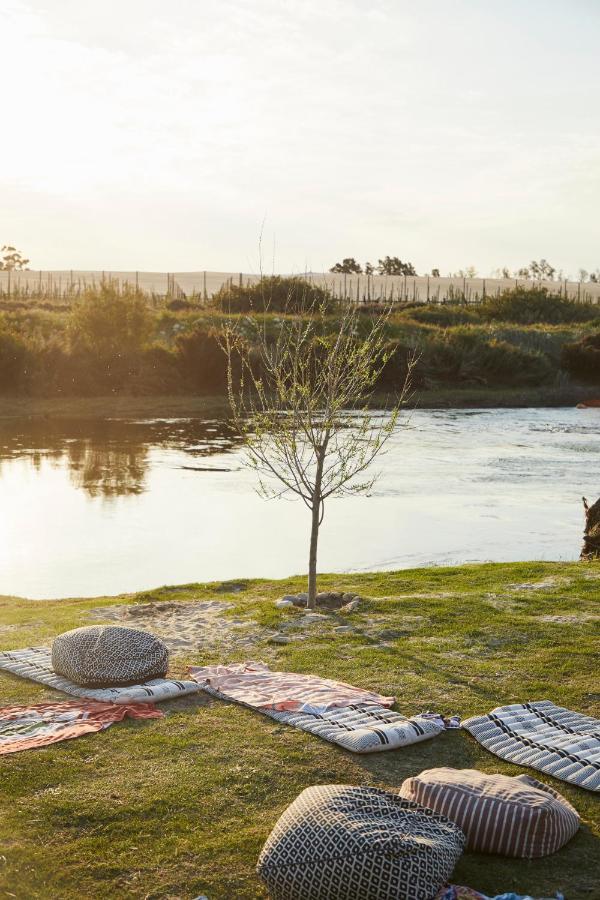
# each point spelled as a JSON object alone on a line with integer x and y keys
{"x": 7, "y": 628}
{"x": 547, "y": 584}
{"x": 191, "y": 625}
{"x": 569, "y": 618}
{"x": 434, "y": 595}
{"x": 504, "y": 604}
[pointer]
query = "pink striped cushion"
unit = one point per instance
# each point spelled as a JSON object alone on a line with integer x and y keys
{"x": 518, "y": 817}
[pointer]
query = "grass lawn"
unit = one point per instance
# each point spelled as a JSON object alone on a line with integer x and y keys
{"x": 176, "y": 807}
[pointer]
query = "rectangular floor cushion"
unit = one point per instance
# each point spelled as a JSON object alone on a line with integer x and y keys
{"x": 360, "y": 728}
{"x": 550, "y": 738}
{"x": 35, "y": 663}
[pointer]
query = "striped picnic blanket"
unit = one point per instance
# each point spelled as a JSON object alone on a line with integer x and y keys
{"x": 28, "y": 727}
{"x": 359, "y": 727}
{"x": 552, "y": 739}
{"x": 35, "y": 663}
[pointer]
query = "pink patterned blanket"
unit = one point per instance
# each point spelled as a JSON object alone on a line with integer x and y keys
{"x": 254, "y": 684}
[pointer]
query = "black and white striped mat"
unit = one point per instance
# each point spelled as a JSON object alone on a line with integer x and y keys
{"x": 552, "y": 739}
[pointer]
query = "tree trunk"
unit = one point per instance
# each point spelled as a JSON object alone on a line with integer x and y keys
{"x": 314, "y": 531}
{"x": 312, "y": 558}
{"x": 591, "y": 534}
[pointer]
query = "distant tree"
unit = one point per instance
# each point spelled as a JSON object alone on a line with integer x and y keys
{"x": 583, "y": 275}
{"x": 523, "y": 272}
{"x": 595, "y": 276}
{"x": 348, "y": 266}
{"x": 469, "y": 272}
{"x": 435, "y": 273}
{"x": 12, "y": 259}
{"x": 392, "y": 265}
{"x": 369, "y": 268}
{"x": 542, "y": 270}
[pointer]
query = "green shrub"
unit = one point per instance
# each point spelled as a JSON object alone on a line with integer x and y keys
{"x": 201, "y": 360}
{"x": 14, "y": 360}
{"x": 273, "y": 294}
{"x": 466, "y": 356}
{"x": 582, "y": 358}
{"x": 444, "y": 314}
{"x": 529, "y": 306}
{"x": 111, "y": 323}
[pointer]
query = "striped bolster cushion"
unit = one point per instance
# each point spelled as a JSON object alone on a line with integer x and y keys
{"x": 518, "y": 817}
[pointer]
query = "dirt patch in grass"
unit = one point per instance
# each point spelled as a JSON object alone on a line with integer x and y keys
{"x": 568, "y": 618}
{"x": 187, "y": 625}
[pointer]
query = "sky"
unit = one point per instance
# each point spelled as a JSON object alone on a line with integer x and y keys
{"x": 230, "y": 135}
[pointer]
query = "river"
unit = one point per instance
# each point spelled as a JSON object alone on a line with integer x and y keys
{"x": 96, "y": 507}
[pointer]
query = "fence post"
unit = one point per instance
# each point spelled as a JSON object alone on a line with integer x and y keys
{"x": 428, "y": 288}
{"x": 204, "y": 296}
{"x": 241, "y": 281}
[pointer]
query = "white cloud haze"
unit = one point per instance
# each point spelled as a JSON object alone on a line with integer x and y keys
{"x": 144, "y": 135}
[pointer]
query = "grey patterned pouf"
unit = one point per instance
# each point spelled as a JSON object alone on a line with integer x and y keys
{"x": 106, "y": 655}
{"x": 337, "y": 842}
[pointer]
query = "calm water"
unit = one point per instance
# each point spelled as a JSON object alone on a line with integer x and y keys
{"x": 93, "y": 507}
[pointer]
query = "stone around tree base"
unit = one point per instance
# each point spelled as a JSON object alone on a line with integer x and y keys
{"x": 331, "y": 600}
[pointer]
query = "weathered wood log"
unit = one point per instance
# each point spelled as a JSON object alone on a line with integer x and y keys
{"x": 591, "y": 534}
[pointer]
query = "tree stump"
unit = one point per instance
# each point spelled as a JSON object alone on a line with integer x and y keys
{"x": 591, "y": 534}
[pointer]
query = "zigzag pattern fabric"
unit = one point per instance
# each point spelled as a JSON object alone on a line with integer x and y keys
{"x": 338, "y": 842}
{"x": 361, "y": 728}
{"x": 35, "y": 663}
{"x": 552, "y": 739}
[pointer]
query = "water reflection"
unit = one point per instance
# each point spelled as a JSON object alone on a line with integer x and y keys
{"x": 110, "y": 458}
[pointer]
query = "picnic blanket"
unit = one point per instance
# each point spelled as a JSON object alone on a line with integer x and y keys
{"x": 552, "y": 739}
{"x": 35, "y": 663}
{"x": 361, "y": 727}
{"x": 27, "y": 727}
{"x": 254, "y": 684}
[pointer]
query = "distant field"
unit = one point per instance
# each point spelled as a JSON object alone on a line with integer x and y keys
{"x": 204, "y": 285}
{"x": 181, "y": 806}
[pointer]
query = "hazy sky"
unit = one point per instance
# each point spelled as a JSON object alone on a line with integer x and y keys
{"x": 145, "y": 134}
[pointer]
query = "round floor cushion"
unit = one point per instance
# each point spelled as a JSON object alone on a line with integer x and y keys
{"x": 337, "y": 842}
{"x": 518, "y": 817}
{"x": 106, "y": 655}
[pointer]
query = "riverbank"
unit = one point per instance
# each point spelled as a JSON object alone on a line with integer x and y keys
{"x": 181, "y": 806}
{"x": 184, "y": 405}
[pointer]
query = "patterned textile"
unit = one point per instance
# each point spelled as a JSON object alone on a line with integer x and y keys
{"x": 337, "y": 842}
{"x": 363, "y": 728}
{"x": 459, "y": 892}
{"x": 27, "y": 727}
{"x": 254, "y": 684}
{"x": 108, "y": 655}
{"x": 555, "y": 740}
{"x": 518, "y": 817}
{"x": 36, "y": 663}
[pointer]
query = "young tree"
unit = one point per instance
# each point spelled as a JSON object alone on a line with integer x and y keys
{"x": 301, "y": 396}
{"x": 435, "y": 273}
{"x": 12, "y": 259}
{"x": 348, "y": 266}
{"x": 369, "y": 268}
